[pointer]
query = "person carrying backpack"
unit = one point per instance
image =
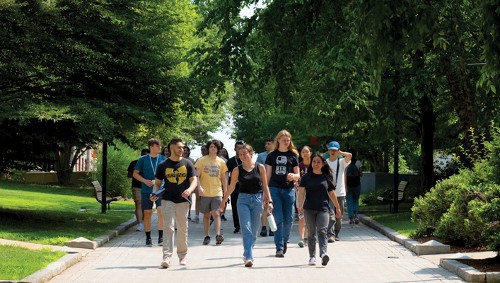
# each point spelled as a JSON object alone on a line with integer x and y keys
{"x": 353, "y": 181}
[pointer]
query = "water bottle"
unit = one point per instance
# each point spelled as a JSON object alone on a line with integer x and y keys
{"x": 272, "y": 223}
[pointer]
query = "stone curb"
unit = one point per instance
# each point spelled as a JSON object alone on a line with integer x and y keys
{"x": 466, "y": 272}
{"x": 71, "y": 258}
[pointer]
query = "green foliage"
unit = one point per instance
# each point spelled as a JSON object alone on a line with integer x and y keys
{"x": 119, "y": 157}
{"x": 18, "y": 262}
{"x": 465, "y": 208}
{"x": 78, "y": 73}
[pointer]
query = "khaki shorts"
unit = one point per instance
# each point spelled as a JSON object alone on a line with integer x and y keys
{"x": 209, "y": 204}
{"x": 136, "y": 194}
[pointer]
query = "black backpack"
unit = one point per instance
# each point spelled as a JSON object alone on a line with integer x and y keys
{"x": 353, "y": 176}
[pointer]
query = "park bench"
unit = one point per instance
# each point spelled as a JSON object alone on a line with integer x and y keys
{"x": 98, "y": 194}
{"x": 387, "y": 195}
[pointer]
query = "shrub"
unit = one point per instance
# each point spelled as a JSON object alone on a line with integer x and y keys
{"x": 119, "y": 157}
{"x": 465, "y": 208}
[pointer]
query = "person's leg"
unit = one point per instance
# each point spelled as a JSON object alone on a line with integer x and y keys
{"x": 197, "y": 207}
{"x": 136, "y": 192}
{"x": 350, "y": 207}
{"x": 310, "y": 218}
{"x": 256, "y": 214}
{"x": 278, "y": 216}
{"x": 160, "y": 216}
{"x": 147, "y": 208}
{"x": 288, "y": 213}
{"x": 356, "y": 192}
{"x": 331, "y": 223}
{"x": 321, "y": 226}
{"x": 168, "y": 212}
{"x": 338, "y": 223}
{"x": 181, "y": 214}
{"x": 302, "y": 228}
{"x": 234, "y": 207}
{"x": 214, "y": 207}
{"x": 263, "y": 221}
{"x": 244, "y": 213}
{"x": 205, "y": 210}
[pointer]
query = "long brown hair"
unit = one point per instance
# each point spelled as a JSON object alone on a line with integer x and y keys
{"x": 291, "y": 147}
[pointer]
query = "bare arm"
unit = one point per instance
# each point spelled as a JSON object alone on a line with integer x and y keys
{"x": 301, "y": 198}
{"x": 223, "y": 179}
{"x": 269, "y": 169}
{"x": 234, "y": 179}
{"x": 141, "y": 179}
{"x": 346, "y": 155}
{"x": 192, "y": 186}
{"x": 265, "y": 187}
{"x": 333, "y": 197}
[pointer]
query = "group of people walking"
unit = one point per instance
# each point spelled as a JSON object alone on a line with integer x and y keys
{"x": 278, "y": 184}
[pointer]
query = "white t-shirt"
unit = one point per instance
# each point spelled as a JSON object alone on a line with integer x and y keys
{"x": 340, "y": 188}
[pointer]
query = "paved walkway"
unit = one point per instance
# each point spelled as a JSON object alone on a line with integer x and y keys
{"x": 362, "y": 255}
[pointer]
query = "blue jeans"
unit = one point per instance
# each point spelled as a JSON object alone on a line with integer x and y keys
{"x": 283, "y": 200}
{"x": 249, "y": 211}
{"x": 352, "y": 199}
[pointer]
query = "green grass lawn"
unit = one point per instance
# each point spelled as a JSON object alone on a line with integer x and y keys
{"x": 17, "y": 262}
{"x": 400, "y": 222}
{"x": 52, "y": 214}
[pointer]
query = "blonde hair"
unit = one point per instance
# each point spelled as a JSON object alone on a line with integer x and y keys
{"x": 291, "y": 147}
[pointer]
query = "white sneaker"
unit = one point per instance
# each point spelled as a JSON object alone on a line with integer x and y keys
{"x": 248, "y": 263}
{"x": 312, "y": 261}
{"x": 165, "y": 263}
{"x": 182, "y": 261}
{"x": 140, "y": 227}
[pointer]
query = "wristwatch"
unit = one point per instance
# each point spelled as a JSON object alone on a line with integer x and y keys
{"x": 270, "y": 201}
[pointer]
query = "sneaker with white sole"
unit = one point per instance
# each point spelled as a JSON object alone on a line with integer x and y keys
{"x": 219, "y": 239}
{"x": 140, "y": 227}
{"x": 312, "y": 261}
{"x": 301, "y": 244}
{"x": 182, "y": 261}
{"x": 165, "y": 263}
{"x": 248, "y": 263}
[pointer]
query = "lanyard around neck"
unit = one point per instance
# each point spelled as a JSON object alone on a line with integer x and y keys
{"x": 156, "y": 165}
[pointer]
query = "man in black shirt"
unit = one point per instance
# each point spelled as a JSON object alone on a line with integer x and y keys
{"x": 232, "y": 163}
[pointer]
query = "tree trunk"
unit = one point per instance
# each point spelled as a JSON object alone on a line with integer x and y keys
{"x": 427, "y": 128}
{"x": 66, "y": 158}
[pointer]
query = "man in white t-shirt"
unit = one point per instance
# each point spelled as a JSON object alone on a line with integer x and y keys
{"x": 338, "y": 166}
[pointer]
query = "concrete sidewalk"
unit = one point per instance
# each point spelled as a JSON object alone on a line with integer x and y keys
{"x": 362, "y": 255}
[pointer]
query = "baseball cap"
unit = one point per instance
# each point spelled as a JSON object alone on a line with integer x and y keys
{"x": 333, "y": 145}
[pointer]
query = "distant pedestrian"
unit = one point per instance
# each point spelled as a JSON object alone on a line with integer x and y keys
{"x": 338, "y": 166}
{"x": 136, "y": 193}
{"x": 253, "y": 193}
{"x": 305, "y": 160}
{"x": 211, "y": 171}
{"x": 261, "y": 158}
{"x": 232, "y": 163}
{"x": 179, "y": 181}
{"x": 145, "y": 171}
{"x": 282, "y": 172}
{"x": 354, "y": 172}
{"x": 315, "y": 191}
